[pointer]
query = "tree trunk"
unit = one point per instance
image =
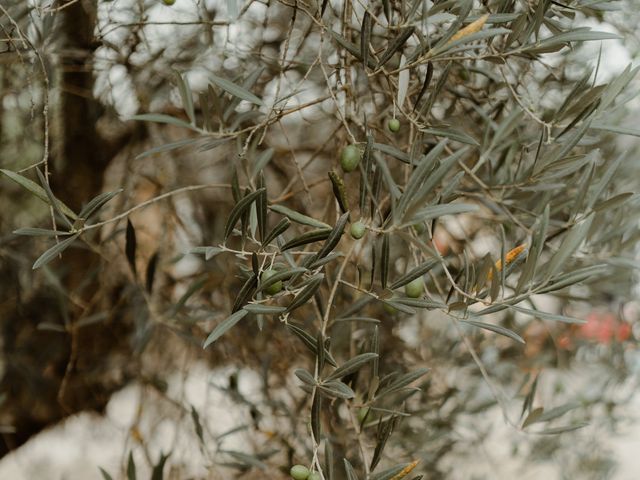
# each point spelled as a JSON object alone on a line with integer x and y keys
{"x": 50, "y": 375}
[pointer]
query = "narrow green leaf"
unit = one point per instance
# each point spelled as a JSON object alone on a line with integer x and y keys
{"x": 417, "y": 303}
{"x": 437, "y": 211}
{"x": 167, "y": 147}
{"x": 151, "y": 272}
{"x": 365, "y": 177}
{"x": 546, "y": 316}
{"x": 385, "y": 428}
{"x": 383, "y": 168}
{"x": 131, "y": 467}
{"x": 239, "y": 209}
{"x": 197, "y": 425}
{"x": 54, "y": 251}
{"x": 559, "y": 430}
{"x": 186, "y": 96}
{"x": 613, "y": 202}
{"x": 336, "y": 389}
{"x": 414, "y": 273}
{"x": 425, "y": 84}
{"x": 384, "y": 260}
{"x": 280, "y": 228}
{"x": 162, "y": 118}
{"x": 53, "y": 201}
{"x": 40, "y": 232}
{"x": 248, "y": 84}
{"x": 105, "y": 474}
{"x": 334, "y": 237}
{"x": 298, "y": 217}
{"x": 208, "y": 252}
{"x": 403, "y": 82}
{"x": 557, "y": 412}
{"x": 397, "y": 43}
{"x": 236, "y": 90}
{"x": 537, "y": 246}
{"x": 452, "y": 134}
{"x": 246, "y": 459}
{"x": 38, "y": 191}
{"x": 261, "y": 162}
{"x": 392, "y": 151}
{"x": 532, "y": 417}
{"x": 350, "y": 47}
{"x": 365, "y": 37}
{"x": 433, "y": 180}
{"x": 316, "y": 408}
{"x": 352, "y": 365}
{"x": 97, "y": 203}
{"x": 320, "y": 359}
{"x": 224, "y": 326}
{"x": 130, "y": 247}
{"x": 328, "y": 459}
{"x": 425, "y": 110}
{"x": 350, "y": 472}
{"x": 261, "y": 207}
{"x": 193, "y": 288}
{"x": 305, "y": 238}
{"x": 572, "y": 241}
{"x": 571, "y": 278}
{"x": 246, "y": 293}
{"x": 599, "y": 187}
{"x": 257, "y": 308}
{"x": 419, "y": 175}
{"x": 305, "y": 376}
{"x": 307, "y": 292}
{"x": 310, "y": 342}
{"x": 496, "y": 329}
{"x": 323, "y": 261}
{"x": 577, "y": 35}
{"x": 402, "y": 382}
{"x": 158, "y": 468}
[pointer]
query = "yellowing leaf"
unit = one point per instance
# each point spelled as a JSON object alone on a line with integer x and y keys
{"x": 512, "y": 256}
{"x": 470, "y": 29}
{"x": 406, "y": 470}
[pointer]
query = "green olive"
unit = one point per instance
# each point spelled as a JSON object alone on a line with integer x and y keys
{"x": 350, "y": 158}
{"x": 358, "y": 229}
{"x": 362, "y": 414}
{"x": 389, "y": 308}
{"x": 415, "y": 288}
{"x": 313, "y": 476}
{"x": 299, "y": 472}
{"x": 271, "y": 289}
{"x": 419, "y": 228}
{"x": 393, "y": 125}
{"x": 169, "y": 2}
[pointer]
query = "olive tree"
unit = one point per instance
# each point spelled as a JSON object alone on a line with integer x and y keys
{"x": 398, "y": 213}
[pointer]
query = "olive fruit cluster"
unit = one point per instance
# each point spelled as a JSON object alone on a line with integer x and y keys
{"x": 300, "y": 472}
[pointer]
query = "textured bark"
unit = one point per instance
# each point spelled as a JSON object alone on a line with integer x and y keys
{"x": 81, "y": 152}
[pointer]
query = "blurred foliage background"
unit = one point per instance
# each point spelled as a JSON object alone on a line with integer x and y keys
{"x": 516, "y": 127}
